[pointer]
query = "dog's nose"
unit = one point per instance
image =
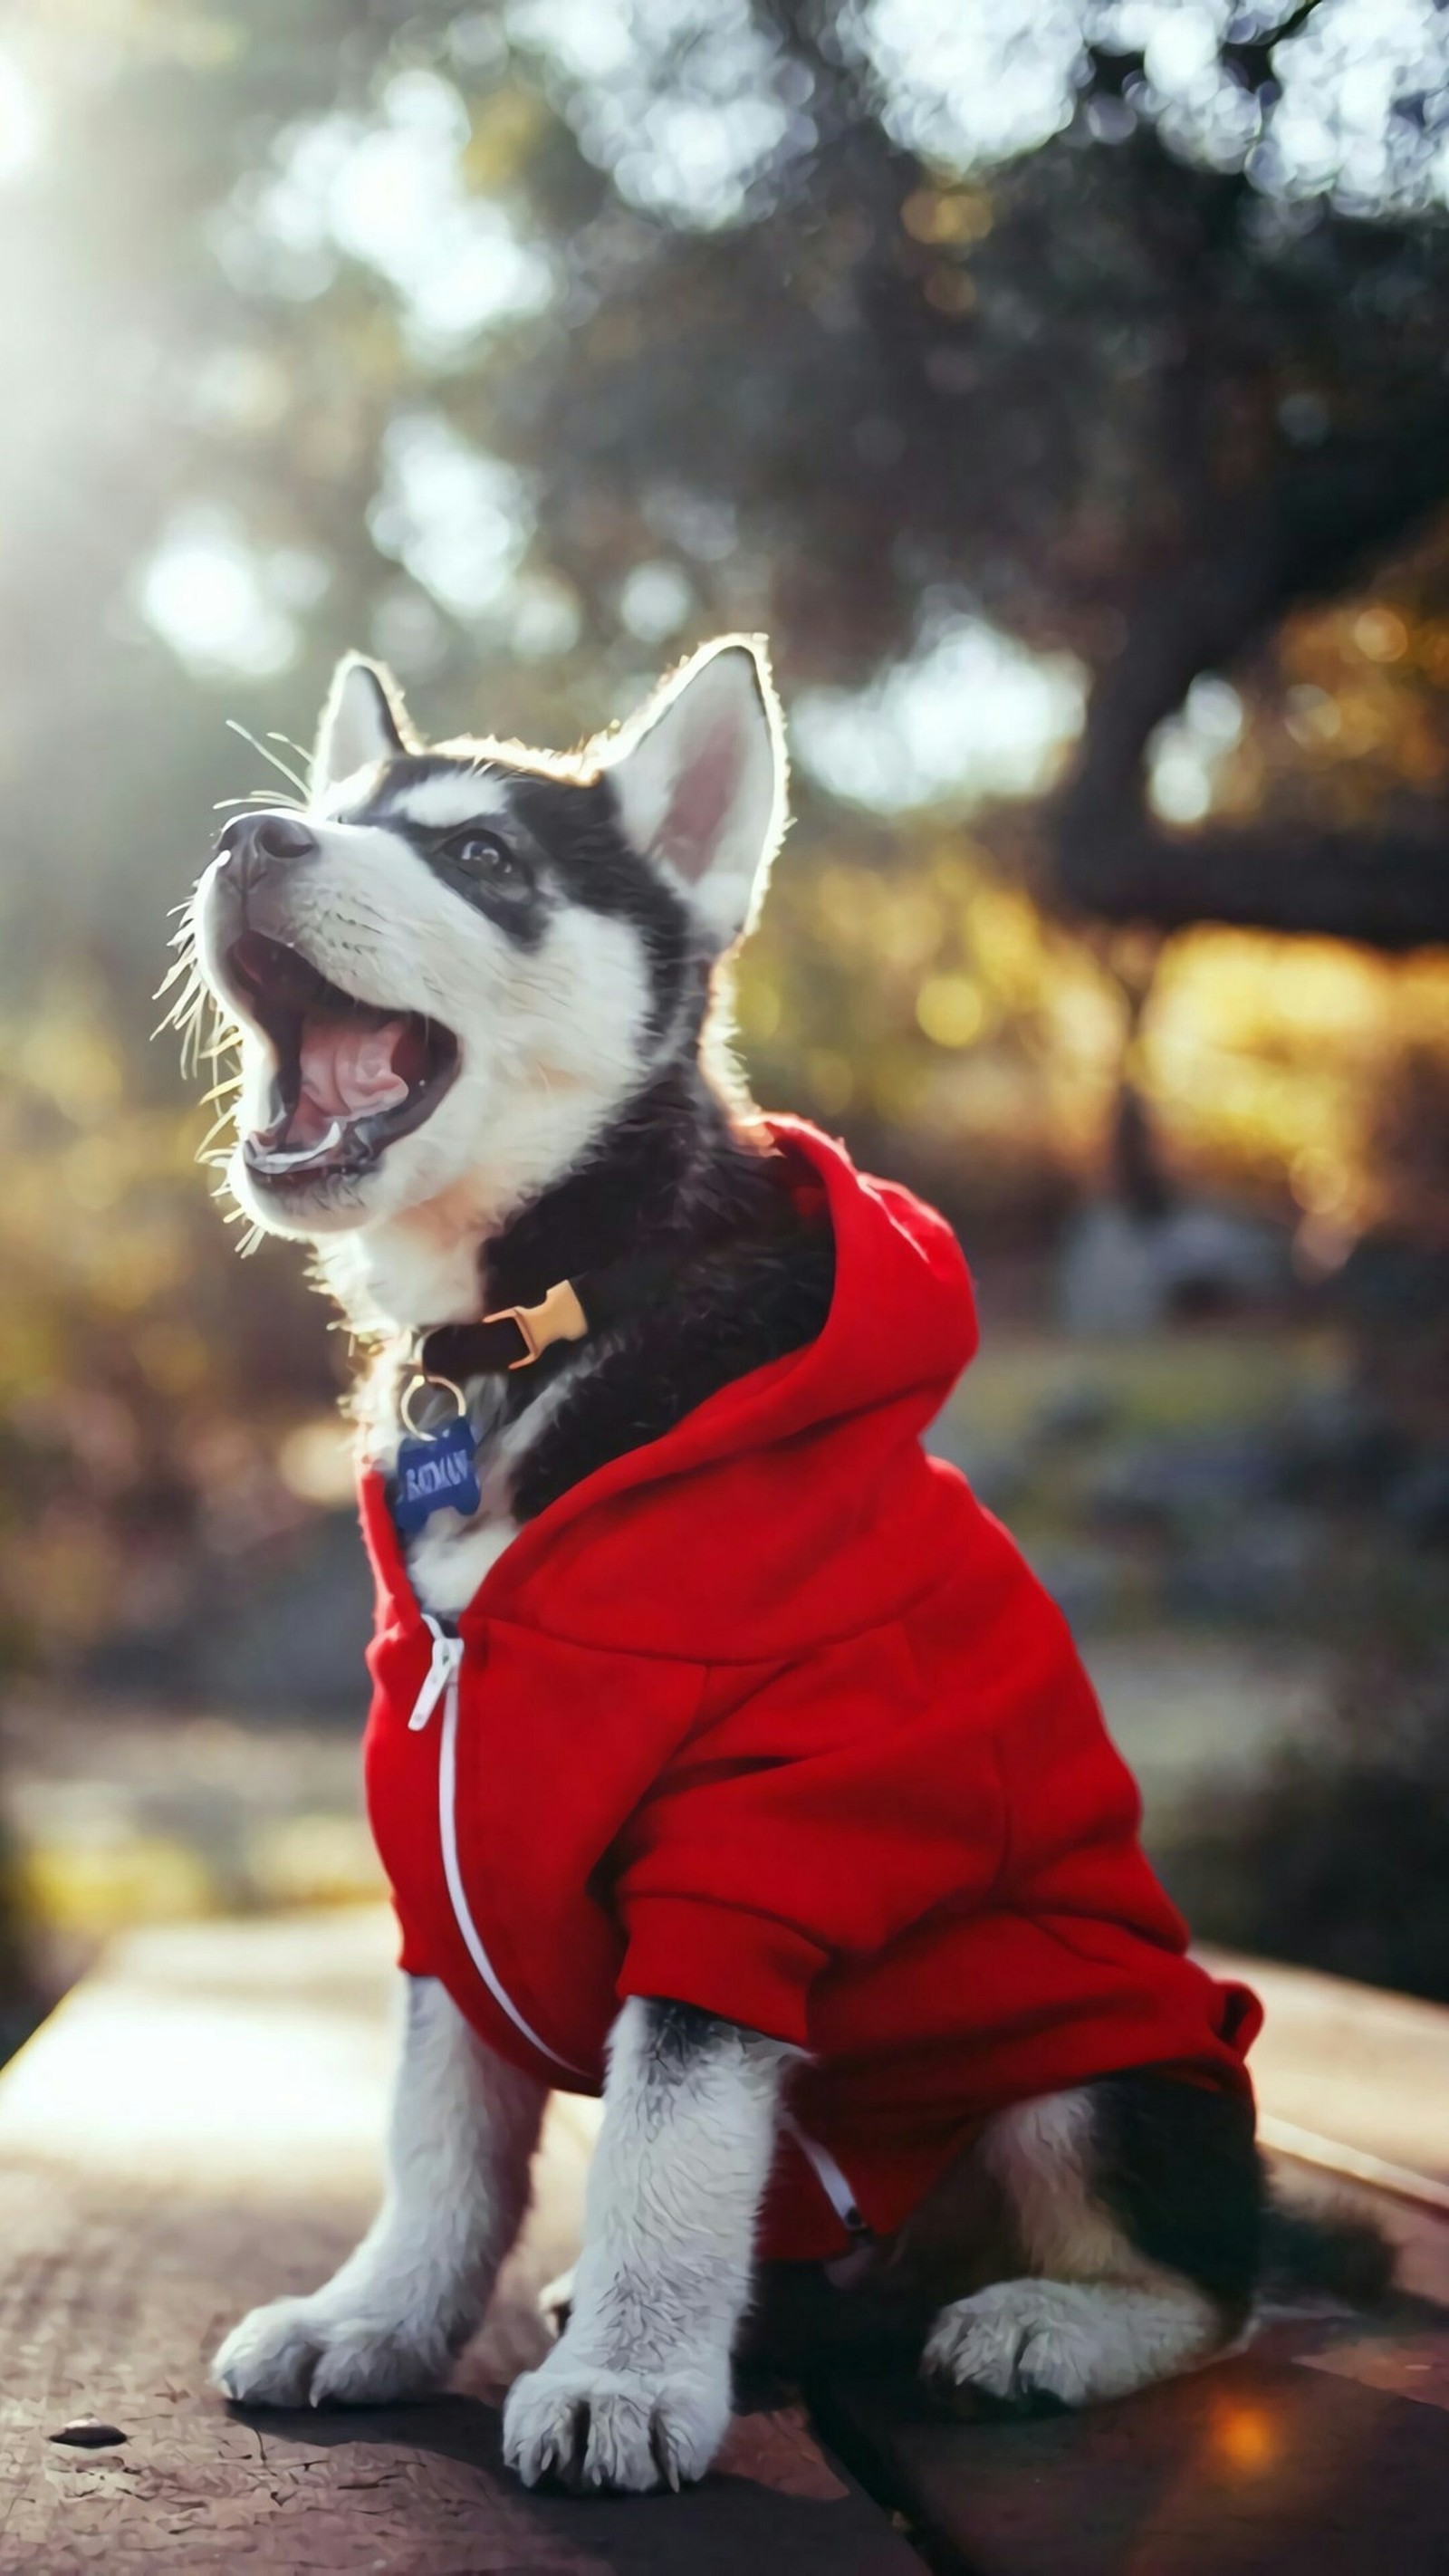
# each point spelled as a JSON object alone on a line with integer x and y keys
{"x": 257, "y": 845}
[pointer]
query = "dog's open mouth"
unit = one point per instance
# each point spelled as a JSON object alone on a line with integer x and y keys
{"x": 350, "y": 1078}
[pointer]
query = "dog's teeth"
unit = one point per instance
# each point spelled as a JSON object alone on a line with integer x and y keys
{"x": 284, "y": 1159}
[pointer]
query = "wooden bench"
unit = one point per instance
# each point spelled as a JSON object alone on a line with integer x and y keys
{"x": 196, "y": 2129}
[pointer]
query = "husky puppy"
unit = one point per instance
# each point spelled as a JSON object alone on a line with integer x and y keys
{"x": 480, "y": 995}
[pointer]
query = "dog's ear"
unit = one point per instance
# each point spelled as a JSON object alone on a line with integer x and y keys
{"x": 699, "y": 775}
{"x": 363, "y": 720}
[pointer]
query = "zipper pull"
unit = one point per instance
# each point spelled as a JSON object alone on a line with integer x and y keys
{"x": 442, "y": 1673}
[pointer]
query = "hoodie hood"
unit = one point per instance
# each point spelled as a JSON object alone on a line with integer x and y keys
{"x": 763, "y": 1495}
{"x": 902, "y": 1321}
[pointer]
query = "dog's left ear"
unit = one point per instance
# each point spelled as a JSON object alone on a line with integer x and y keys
{"x": 700, "y": 776}
{"x": 364, "y": 720}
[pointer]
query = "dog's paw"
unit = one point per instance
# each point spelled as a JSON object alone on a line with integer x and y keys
{"x": 308, "y": 2352}
{"x": 1021, "y": 2344}
{"x": 1037, "y": 2346}
{"x": 592, "y": 2428}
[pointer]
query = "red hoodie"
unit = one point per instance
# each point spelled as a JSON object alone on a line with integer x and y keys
{"x": 771, "y": 1717}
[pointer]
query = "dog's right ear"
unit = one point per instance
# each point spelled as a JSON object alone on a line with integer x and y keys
{"x": 699, "y": 780}
{"x": 363, "y": 721}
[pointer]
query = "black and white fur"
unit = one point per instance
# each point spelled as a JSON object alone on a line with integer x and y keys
{"x": 569, "y": 921}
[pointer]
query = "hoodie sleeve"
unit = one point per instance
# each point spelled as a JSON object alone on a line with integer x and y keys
{"x": 816, "y": 1817}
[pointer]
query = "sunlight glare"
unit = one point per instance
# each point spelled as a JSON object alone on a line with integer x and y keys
{"x": 1186, "y": 754}
{"x": 20, "y": 121}
{"x": 458, "y": 520}
{"x": 207, "y": 594}
{"x": 968, "y": 84}
{"x": 689, "y": 105}
{"x": 390, "y": 192}
{"x": 971, "y": 714}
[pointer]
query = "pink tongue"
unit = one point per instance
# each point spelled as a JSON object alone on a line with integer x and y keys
{"x": 347, "y": 1072}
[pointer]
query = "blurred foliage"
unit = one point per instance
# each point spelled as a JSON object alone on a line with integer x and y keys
{"x": 1060, "y": 383}
{"x": 910, "y": 992}
{"x": 141, "y": 1398}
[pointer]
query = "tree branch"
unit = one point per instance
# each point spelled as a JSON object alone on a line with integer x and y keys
{"x": 1389, "y": 890}
{"x": 1301, "y": 538}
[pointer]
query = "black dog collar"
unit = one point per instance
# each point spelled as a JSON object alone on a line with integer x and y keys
{"x": 515, "y": 1336}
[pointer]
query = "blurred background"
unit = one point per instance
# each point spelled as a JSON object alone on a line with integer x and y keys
{"x": 1063, "y": 385}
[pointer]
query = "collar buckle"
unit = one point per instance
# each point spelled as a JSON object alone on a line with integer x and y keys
{"x": 559, "y": 1318}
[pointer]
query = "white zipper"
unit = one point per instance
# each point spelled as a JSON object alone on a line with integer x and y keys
{"x": 829, "y": 2176}
{"x": 442, "y": 1682}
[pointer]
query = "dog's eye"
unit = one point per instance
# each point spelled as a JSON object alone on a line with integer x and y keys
{"x": 482, "y": 856}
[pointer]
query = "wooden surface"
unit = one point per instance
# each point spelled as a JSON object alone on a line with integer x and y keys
{"x": 1349, "y": 2063}
{"x": 1322, "y": 2451}
{"x": 1258, "y": 2467}
{"x": 194, "y": 2131}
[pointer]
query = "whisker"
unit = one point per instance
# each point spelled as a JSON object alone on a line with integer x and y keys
{"x": 237, "y": 1215}
{"x": 187, "y": 1002}
{"x": 181, "y": 1026}
{"x": 276, "y": 762}
{"x": 260, "y": 796}
{"x": 186, "y": 1015}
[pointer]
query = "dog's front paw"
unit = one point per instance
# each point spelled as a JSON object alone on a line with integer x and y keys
{"x": 310, "y": 2352}
{"x": 592, "y": 2427}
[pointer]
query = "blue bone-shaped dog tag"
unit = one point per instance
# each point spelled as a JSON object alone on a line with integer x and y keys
{"x": 436, "y": 1474}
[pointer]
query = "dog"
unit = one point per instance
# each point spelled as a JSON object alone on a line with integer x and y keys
{"x": 725, "y": 1757}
